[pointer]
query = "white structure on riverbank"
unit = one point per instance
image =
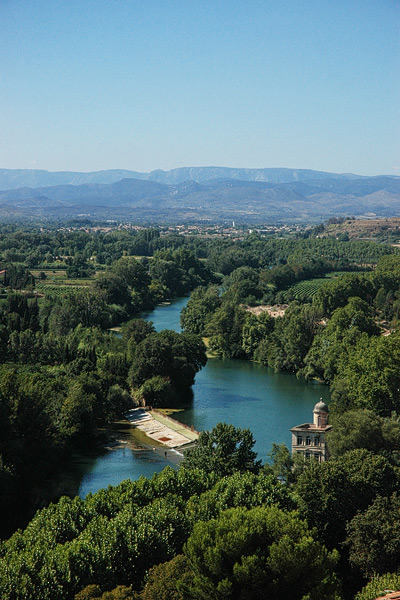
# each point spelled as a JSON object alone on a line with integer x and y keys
{"x": 161, "y": 428}
{"x": 309, "y": 439}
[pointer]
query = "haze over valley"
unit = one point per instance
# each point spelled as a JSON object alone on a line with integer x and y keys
{"x": 196, "y": 194}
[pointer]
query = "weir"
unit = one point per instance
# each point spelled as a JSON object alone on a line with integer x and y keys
{"x": 162, "y": 428}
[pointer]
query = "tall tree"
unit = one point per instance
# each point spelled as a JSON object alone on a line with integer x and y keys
{"x": 223, "y": 450}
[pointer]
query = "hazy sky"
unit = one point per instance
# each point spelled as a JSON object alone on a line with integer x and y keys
{"x": 146, "y": 84}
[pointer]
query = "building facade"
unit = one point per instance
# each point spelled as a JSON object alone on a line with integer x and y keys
{"x": 309, "y": 439}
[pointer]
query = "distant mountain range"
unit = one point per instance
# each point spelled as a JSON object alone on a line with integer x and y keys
{"x": 197, "y": 194}
{"x": 15, "y": 178}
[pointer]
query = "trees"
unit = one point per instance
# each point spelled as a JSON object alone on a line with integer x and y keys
{"x": 224, "y": 329}
{"x": 378, "y": 585}
{"x": 179, "y": 271}
{"x": 132, "y": 272}
{"x": 285, "y": 467}
{"x": 176, "y": 356}
{"x": 162, "y": 580}
{"x": 223, "y": 450}
{"x": 372, "y": 376}
{"x": 363, "y": 428}
{"x": 255, "y": 554}
{"x": 336, "y": 340}
{"x": 225, "y": 260}
{"x": 115, "y": 288}
{"x": 331, "y": 493}
{"x": 242, "y": 285}
{"x": 336, "y": 293}
{"x": 133, "y": 332}
{"x": 242, "y": 488}
{"x": 94, "y": 592}
{"x": 255, "y": 330}
{"x": 18, "y": 277}
{"x": 111, "y": 538}
{"x": 202, "y": 304}
{"x": 156, "y": 392}
{"x": 116, "y": 536}
{"x": 70, "y": 544}
{"x": 373, "y": 537}
{"x": 286, "y": 347}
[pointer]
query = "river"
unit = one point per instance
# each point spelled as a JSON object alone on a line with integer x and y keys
{"x": 232, "y": 391}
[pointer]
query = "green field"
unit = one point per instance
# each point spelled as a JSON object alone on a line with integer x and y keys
{"x": 58, "y": 284}
{"x": 309, "y": 287}
{"x": 57, "y": 290}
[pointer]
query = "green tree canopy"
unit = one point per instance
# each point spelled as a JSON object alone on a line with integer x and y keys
{"x": 223, "y": 450}
{"x": 202, "y": 304}
{"x": 224, "y": 329}
{"x": 373, "y": 537}
{"x": 336, "y": 340}
{"x": 331, "y": 493}
{"x": 256, "y": 554}
{"x": 379, "y": 585}
{"x": 363, "y": 428}
{"x": 369, "y": 377}
{"x": 133, "y": 273}
{"x": 176, "y": 356}
{"x": 162, "y": 580}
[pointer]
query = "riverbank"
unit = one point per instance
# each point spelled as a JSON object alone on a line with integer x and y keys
{"x": 162, "y": 428}
{"x": 238, "y": 392}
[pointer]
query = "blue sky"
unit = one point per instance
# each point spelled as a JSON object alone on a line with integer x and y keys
{"x": 92, "y": 84}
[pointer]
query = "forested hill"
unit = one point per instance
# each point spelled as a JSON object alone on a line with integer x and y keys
{"x": 215, "y": 200}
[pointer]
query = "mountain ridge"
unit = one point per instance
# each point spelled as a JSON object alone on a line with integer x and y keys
{"x": 15, "y": 178}
{"x": 213, "y": 200}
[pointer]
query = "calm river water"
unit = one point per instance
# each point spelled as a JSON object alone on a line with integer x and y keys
{"x": 238, "y": 392}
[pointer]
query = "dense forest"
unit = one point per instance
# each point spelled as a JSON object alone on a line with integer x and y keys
{"x": 223, "y": 525}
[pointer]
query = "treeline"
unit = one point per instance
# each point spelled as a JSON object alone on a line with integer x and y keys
{"x": 118, "y": 292}
{"x": 42, "y": 248}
